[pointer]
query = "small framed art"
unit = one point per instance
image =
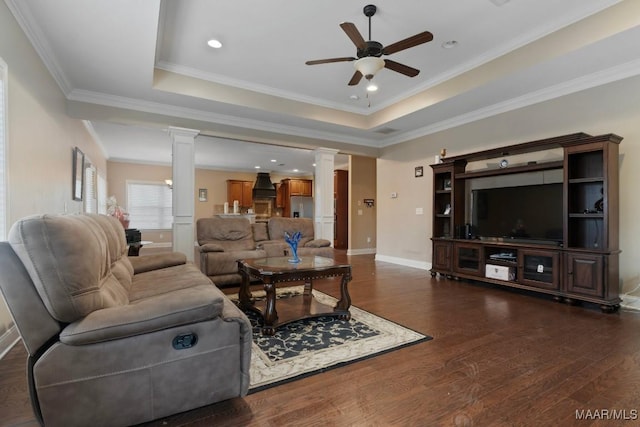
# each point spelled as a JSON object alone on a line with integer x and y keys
{"x": 419, "y": 172}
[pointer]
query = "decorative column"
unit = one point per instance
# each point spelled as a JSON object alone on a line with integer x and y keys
{"x": 183, "y": 193}
{"x": 323, "y": 193}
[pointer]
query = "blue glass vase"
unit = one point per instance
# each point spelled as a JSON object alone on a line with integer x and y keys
{"x": 293, "y": 241}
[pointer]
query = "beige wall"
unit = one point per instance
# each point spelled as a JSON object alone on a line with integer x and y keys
{"x": 613, "y": 108}
{"x": 362, "y": 219}
{"x": 41, "y": 136}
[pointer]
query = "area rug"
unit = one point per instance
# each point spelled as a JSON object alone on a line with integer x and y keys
{"x": 311, "y": 346}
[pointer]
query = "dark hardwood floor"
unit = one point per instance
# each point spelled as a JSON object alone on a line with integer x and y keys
{"x": 499, "y": 357}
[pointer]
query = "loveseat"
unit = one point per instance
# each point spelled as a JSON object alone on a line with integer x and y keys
{"x": 114, "y": 340}
{"x": 223, "y": 241}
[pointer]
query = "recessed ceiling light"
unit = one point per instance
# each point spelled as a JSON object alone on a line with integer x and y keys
{"x": 273, "y": 160}
{"x": 295, "y": 170}
{"x": 216, "y": 44}
{"x": 257, "y": 167}
{"x": 314, "y": 165}
{"x": 450, "y": 44}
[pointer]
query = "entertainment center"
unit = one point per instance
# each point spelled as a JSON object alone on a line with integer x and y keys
{"x": 548, "y": 225}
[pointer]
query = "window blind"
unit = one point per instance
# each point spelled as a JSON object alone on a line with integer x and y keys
{"x": 149, "y": 205}
{"x": 102, "y": 195}
{"x": 90, "y": 193}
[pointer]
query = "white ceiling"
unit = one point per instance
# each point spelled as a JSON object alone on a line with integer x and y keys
{"x": 132, "y": 68}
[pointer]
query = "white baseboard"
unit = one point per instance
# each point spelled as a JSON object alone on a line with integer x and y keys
{"x": 630, "y": 302}
{"x": 423, "y": 265}
{"x": 8, "y": 340}
{"x": 366, "y": 251}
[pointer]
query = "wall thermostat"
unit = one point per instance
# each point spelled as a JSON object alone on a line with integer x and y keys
{"x": 504, "y": 163}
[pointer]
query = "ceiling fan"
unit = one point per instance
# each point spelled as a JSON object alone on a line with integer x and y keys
{"x": 368, "y": 61}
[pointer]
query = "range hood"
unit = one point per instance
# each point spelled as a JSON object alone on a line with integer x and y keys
{"x": 264, "y": 188}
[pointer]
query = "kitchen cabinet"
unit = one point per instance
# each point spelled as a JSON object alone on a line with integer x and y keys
{"x": 242, "y": 191}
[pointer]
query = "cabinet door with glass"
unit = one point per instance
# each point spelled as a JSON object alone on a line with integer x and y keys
{"x": 467, "y": 258}
{"x": 539, "y": 268}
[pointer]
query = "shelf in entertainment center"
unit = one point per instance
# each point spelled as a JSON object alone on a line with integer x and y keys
{"x": 586, "y": 215}
{"x": 586, "y": 180}
{"x": 501, "y": 262}
{"x": 512, "y": 169}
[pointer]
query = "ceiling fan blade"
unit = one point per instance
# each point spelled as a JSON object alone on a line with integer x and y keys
{"x": 401, "y": 68}
{"x": 326, "y": 61}
{"x": 355, "y": 79}
{"x": 353, "y": 34}
{"x": 408, "y": 42}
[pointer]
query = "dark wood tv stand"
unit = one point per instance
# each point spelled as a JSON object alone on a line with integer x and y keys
{"x": 581, "y": 267}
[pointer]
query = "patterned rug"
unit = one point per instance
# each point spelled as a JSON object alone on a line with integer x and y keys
{"x": 311, "y": 346}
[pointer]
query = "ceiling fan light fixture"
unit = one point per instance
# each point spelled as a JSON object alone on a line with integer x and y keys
{"x": 369, "y": 66}
{"x": 216, "y": 44}
{"x": 371, "y": 86}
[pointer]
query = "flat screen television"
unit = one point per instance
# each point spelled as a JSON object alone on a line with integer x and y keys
{"x": 523, "y": 213}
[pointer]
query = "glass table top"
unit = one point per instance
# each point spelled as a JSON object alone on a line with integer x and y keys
{"x": 276, "y": 264}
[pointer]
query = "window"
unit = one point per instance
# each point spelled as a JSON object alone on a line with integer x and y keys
{"x": 90, "y": 190}
{"x": 149, "y": 205}
{"x": 3, "y": 150}
{"x": 102, "y": 195}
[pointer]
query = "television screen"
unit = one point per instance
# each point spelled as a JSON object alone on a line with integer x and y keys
{"x": 522, "y": 212}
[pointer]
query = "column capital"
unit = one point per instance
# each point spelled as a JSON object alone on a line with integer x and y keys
{"x": 324, "y": 150}
{"x": 177, "y": 131}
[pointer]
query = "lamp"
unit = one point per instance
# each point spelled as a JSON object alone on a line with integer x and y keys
{"x": 369, "y": 66}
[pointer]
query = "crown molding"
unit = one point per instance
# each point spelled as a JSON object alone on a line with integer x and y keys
{"x": 266, "y": 90}
{"x": 193, "y": 114}
{"x": 22, "y": 14}
{"x": 96, "y": 138}
{"x": 609, "y": 75}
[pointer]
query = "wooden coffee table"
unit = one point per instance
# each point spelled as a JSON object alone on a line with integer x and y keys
{"x": 272, "y": 271}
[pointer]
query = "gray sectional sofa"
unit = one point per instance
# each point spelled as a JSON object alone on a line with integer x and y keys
{"x": 223, "y": 241}
{"x": 114, "y": 340}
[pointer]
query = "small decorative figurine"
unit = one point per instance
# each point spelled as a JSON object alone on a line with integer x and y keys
{"x": 293, "y": 241}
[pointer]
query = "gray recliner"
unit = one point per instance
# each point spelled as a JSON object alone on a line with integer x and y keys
{"x": 113, "y": 340}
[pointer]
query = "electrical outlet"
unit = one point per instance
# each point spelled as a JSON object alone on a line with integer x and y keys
{"x": 368, "y": 239}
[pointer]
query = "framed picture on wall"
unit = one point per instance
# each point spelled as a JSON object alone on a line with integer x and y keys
{"x": 77, "y": 174}
{"x": 202, "y": 194}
